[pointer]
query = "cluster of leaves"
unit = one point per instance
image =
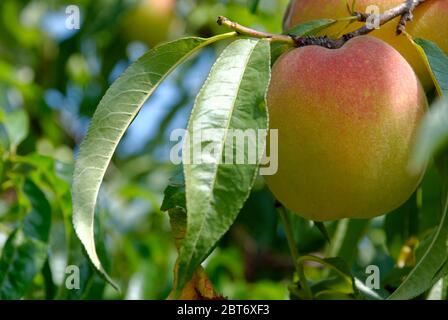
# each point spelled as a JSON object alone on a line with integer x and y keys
{"x": 233, "y": 97}
{"x": 240, "y": 226}
{"x": 50, "y": 83}
{"x": 36, "y": 204}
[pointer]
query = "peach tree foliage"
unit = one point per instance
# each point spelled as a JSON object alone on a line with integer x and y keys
{"x": 233, "y": 97}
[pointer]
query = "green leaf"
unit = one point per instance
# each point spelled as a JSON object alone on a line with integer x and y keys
{"x": 37, "y": 223}
{"x": 400, "y": 225}
{"x": 440, "y": 290}
{"x": 232, "y": 98}
{"x": 174, "y": 195}
{"x": 431, "y": 139}
{"x": 337, "y": 264}
{"x": 178, "y": 222}
{"x": 113, "y": 116}
{"x": 369, "y": 293}
{"x": 175, "y": 203}
{"x": 252, "y": 5}
{"x": 25, "y": 250}
{"x": 91, "y": 284}
{"x": 432, "y": 136}
{"x": 17, "y": 126}
{"x": 323, "y": 230}
{"x": 426, "y": 272}
{"x": 438, "y": 62}
{"x": 50, "y": 286}
{"x": 429, "y": 198}
{"x": 310, "y": 27}
{"x": 344, "y": 243}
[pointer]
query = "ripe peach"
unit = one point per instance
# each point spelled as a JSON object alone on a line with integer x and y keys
{"x": 346, "y": 120}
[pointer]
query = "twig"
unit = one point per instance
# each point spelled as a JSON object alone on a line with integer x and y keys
{"x": 245, "y": 31}
{"x": 407, "y": 15}
{"x": 404, "y": 10}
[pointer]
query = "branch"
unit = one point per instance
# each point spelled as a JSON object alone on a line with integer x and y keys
{"x": 245, "y": 31}
{"x": 407, "y": 15}
{"x": 404, "y": 10}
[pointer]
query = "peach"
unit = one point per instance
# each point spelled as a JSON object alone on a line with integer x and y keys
{"x": 430, "y": 22}
{"x": 347, "y": 120}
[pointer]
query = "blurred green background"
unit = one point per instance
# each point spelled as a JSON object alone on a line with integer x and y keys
{"x": 51, "y": 80}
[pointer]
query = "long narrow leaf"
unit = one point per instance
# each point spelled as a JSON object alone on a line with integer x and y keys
{"x": 427, "y": 270}
{"x": 232, "y": 98}
{"x": 423, "y": 275}
{"x": 113, "y": 116}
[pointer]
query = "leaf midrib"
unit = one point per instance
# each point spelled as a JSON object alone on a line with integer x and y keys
{"x": 213, "y": 184}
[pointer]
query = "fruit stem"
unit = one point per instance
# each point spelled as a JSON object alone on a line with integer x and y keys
{"x": 294, "y": 251}
{"x": 403, "y": 10}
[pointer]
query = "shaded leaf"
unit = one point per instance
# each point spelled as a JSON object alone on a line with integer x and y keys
{"x": 344, "y": 242}
{"x": 323, "y": 230}
{"x": 337, "y": 264}
{"x": 174, "y": 194}
{"x": 430, "y": 198}
{"x": 25, "y": 251}
{"x": 432, "y": 136}
{"x": 50, "y": 287}
{"x": 199, "y": 287}
{"x": 400, "y": 225}
{"x": 233, "y": 97}
{"x": 252, "y": 5}
{"x": 426, "y": 272}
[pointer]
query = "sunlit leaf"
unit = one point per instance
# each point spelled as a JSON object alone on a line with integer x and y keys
{"x": 114, "y": 114}
{"x": 17, "y": 126}
{"x": 369, "y": 293}
{"x": 438, "y": 63}
{"x": 440, "y": 290}
{"x": 232, "y": 98}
